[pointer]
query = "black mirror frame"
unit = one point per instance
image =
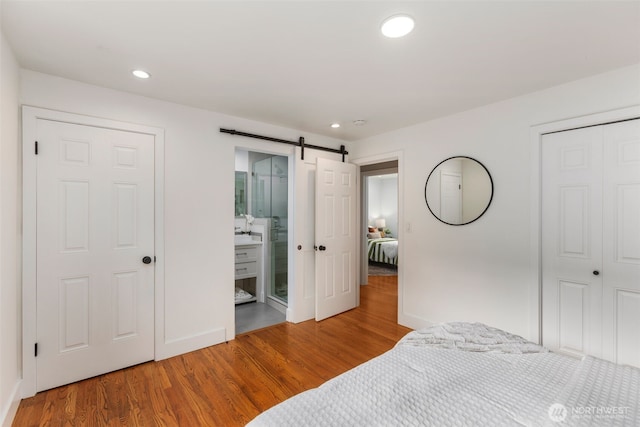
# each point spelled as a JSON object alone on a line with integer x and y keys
{"x": 436, "y": 167}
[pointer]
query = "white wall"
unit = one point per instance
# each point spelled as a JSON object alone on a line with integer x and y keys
{"x": 483, "y": 271}
{"x": 242, "y": 161}
{"x": 199, "y": 196}
{"x": 10, "y": 236}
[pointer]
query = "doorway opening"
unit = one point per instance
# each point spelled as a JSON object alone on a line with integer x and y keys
{"x": 261, "y": 239}
{"x": 380, "y": 217}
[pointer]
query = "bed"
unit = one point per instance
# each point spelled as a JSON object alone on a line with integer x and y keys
{"x": 468, "y": 374}
{"x": 384, "y": 250}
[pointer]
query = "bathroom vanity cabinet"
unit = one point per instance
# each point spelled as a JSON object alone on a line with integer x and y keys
{"x": 247, "y": 268}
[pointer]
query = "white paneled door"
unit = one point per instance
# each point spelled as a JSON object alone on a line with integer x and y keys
{"x": 336, "y": 238}
{"x": 572, "y": 241}
{"x": 304, "y": 232}
{"x": 95, "y": 226}
{"x": 591, "y": 241}
{"x": 621, "y": 246}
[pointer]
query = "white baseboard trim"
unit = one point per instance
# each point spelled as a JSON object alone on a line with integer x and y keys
{"x": 11, "y": 407}
{"x": 194, "y": 342}
{"x": 413, "y": 322}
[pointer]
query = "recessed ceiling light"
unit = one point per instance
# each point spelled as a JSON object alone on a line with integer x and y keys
{"x": 335, "y": 125}
{"x": 359, "y": 122}
{"x": 397, "y": 26}
{"x": 141, "y": 74}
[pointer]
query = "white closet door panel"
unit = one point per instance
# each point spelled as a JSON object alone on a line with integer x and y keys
{"x": 627, "y": 224}
{"x": 74, "y": 313}
{"x": 574, "y": 224}
{"x": 572, "y": 241}
{"x": 95, "y": 223}
{"x": 626, "y": 349}
{"x": 74, "y": 216}
{"x": 125, "y": 221}
{"x": 621, "y": 257}
{"x": 125, "y": 310}
{"x": 573, "y": 302}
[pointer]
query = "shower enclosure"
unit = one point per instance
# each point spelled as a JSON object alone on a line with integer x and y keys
{"x": 269, "y": 199}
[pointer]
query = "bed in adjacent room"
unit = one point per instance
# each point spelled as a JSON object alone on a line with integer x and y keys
{"x": 468, "y": 374}
{"x": 382, "y": 249}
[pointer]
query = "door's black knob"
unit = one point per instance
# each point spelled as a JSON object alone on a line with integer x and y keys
{"x": 146, "y": 260}
{"x": 596, "y": 273}
{"x": 299, "y": 247}
{"x": 322, "y": 248}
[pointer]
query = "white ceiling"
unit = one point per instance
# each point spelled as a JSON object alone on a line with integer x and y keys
{"x": 306, "y": 64}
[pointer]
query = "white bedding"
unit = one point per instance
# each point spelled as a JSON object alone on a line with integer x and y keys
{"x": 430, "y": 379}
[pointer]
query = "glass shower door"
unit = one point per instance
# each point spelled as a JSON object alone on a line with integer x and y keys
{"x": 279, "y": 283}
{"x": 270, "y": 200}
{"x": 279, "y": 234}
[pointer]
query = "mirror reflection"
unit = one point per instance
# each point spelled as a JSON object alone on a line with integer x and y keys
{"x": 459, "y": 190}
{"x": 241, "y": 193}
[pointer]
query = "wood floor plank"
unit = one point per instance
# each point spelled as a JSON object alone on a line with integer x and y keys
{"x": 227, "y": 384}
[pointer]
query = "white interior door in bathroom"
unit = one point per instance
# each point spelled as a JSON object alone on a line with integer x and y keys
{"x": 336, "y": 238}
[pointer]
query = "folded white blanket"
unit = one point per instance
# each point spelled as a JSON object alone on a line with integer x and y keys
{"x": 241, "y": 294}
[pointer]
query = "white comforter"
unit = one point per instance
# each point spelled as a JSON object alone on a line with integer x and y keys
{"x": 427, "y": 381}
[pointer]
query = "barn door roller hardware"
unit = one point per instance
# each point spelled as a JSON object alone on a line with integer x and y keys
{"x": 300, "y": 143}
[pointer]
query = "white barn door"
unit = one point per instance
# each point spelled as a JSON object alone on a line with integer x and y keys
{"x": 591, "y": 241}
{"x": 95, "y": 225}
{"x": 336, "y": 238}
{"x": 304, "y": 232}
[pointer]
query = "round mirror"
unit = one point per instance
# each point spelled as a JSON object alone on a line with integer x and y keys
{"x": 459, "y": 190}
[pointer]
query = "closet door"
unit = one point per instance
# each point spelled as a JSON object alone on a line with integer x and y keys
{"x": 95, "y": 243}
{"x": 621, "y": 250}
{"x": 591, "y": 242}
{"x": 572, "y": 241}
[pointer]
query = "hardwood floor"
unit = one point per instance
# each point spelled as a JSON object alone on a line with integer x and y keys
{"x": 227, "y": 384}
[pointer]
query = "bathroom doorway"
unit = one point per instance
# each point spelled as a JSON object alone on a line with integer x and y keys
{"x": 261, "y": 226}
